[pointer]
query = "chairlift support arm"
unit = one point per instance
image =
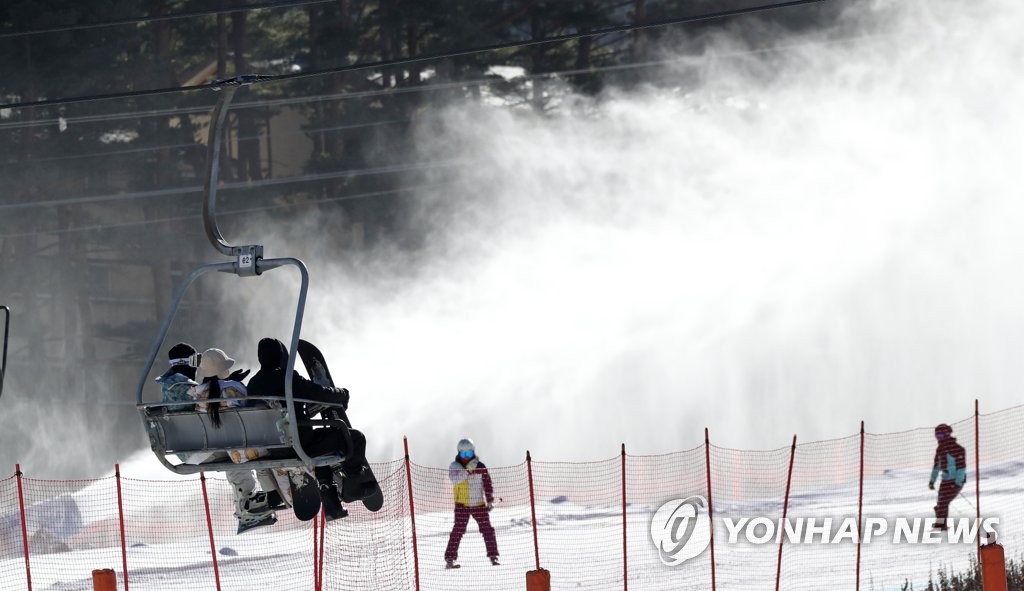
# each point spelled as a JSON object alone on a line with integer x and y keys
{"x": 247, "y": 256}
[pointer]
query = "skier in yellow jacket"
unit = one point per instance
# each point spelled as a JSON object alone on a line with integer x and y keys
{"x": 474, "y": 497}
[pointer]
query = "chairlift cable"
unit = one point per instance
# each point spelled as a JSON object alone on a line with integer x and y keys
{"x": 99, "y": 226}
{"x": 424, "y": 58}
{"x": 138, "y": 20}
{"x": 295, "y": 100}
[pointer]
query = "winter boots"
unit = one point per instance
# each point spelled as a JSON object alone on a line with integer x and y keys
{"x": 247, "y": 523}
{"x": 261, "y": 503}
{"x": 357, "y": 485}
{"x": 331, "y": 501}
{"x": 450, "y": 564}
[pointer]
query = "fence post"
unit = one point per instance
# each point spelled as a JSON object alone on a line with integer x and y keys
{"x": 24, "y": 528}
{"x": 785, "y": 508}
{"x": 323, "y": 545}
{"x": 316, "y": 555}
{"x": 860, "y": 501}
{"x": 625, "y": 544}
{"x": 533, "y": 508}
{"x": 120, "y": 518}
{"x": 412, "y": 514}
{"x": 711, "y": 513}
{"x": 209, "y": 528}
{"x": 977, "y": 475}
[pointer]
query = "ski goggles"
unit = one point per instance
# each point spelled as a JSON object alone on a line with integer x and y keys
{"x": 466, "y": 454}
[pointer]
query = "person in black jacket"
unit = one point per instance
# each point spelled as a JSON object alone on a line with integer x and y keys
{"x": 269, "y": 381}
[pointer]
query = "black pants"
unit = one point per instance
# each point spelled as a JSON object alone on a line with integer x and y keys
{"x": 948, "y": 491}
{"x": 318, "y": 442}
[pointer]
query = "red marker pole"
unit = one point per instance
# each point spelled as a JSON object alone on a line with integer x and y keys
{"x": 316, "y": 555}
{"x": 977, "y": 474}
{"x": 860, "y": 501}
{"x": 120, "y": 517}
{"x": 785, "y": 508}
{"x": 625, "y": 544}
{"x": 209, "y": 528}
{"x": 24, "y": 528}
{"x": 533, "y": 509}
{"x": 711, "y": 513}
{"x": 412, "y": 514}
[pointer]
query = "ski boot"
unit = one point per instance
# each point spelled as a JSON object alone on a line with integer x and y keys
{"x": 450, "y": 564}
{"x": 494, "y": 561}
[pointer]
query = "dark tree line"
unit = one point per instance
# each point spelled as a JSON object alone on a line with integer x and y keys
{"x": 99, "y": 201}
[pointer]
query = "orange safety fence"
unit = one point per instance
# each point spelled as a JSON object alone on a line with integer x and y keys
{"x": 593, "y": 525}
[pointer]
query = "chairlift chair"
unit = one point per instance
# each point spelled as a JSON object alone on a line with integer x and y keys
{"x": 191, "y": 432}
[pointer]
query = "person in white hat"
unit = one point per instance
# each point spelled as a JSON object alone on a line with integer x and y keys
{"x": 217, "y": 381}
{"x": 474, "y": 497}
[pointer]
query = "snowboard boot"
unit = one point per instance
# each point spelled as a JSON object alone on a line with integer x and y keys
{"x": 494, "y": 561}
{"x": 450, "y": 564}
{"x": 274, "y": 500}
{"x": 257, "y": 504}
{"x": 247, "y": 523}
{"x": 333, "y": 508}
{"x": 357, "y": 485}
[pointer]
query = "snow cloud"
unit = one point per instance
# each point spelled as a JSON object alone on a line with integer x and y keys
{"x": 787, "y": 241}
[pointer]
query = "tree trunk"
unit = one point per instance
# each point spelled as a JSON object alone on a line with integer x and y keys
{"x": 160, "y": 267}
{"x": 639, "y": 35}
{"x": 537, "y": 58}
{"x": 249, "y": 166}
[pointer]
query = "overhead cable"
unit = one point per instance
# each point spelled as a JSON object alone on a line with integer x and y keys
{"x": 425, "y": 58}
{"x": 138, "y": 20}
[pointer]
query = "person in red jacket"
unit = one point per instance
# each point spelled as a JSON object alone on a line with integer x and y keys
{"x": 474, "y": 497}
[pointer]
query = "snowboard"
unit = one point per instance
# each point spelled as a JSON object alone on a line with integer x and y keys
{"x": 300, "y": 490}
{"x": 316, "y": 367}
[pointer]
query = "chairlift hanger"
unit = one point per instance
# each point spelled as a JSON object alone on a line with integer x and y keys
{"x": 241, "y": 428}
{"x": 3, "y": 363}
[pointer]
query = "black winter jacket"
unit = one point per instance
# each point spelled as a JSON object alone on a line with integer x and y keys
{"x": 269, "y": 381}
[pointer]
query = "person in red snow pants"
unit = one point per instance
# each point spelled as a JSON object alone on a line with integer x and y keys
{"x": 474, "y": 497}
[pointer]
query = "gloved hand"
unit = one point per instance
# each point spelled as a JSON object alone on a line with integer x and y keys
{"x": 960, "y": 481}
{"x": 490, "y": 505}
{"x": 471, "y": 465}
{"x": 343, "y": 397}
{"x": 931, "y": 486}
{"x": 238, "y": 375}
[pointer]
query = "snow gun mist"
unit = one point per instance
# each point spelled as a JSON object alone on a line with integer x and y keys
{"x": 769, "y": 238}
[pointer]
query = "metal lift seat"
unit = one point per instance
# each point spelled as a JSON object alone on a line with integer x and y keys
{"x": 271, "y": 427}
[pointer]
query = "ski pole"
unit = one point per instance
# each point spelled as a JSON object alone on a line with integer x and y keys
{"x": 966, "y": 499}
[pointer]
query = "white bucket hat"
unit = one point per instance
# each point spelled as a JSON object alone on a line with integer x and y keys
{"x": 214, "y": 363}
